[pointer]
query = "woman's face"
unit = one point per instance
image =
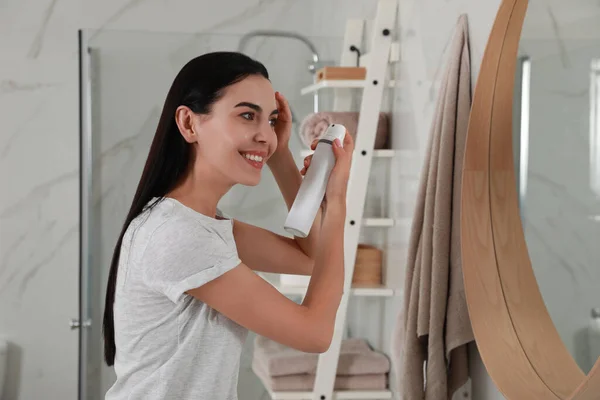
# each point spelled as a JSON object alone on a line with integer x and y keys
{"x": 237, "y": 137}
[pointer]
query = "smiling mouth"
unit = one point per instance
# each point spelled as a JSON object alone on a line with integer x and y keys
{"x": 255, "y": 160}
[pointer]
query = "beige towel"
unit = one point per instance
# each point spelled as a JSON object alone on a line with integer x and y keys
{"x": 434, "y": 325}
{"x": 356, "y": 358}
{"x": 306, "y": 382}
{"x": 314, "y": 126}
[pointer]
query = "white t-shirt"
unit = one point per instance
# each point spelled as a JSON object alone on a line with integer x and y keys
{"x": 170, "y": 345}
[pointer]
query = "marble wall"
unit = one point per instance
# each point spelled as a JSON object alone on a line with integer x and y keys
{"x": 39, "y": 154}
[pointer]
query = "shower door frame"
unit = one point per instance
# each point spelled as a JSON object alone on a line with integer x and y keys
{"x": 84, "y": 322}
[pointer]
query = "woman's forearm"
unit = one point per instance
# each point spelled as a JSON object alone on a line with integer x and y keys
{"x": 288, "y": 179}
{"x": 326, "y": 285}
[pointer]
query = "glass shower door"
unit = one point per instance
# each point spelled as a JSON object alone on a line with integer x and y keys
{"x": 126, "y": 76}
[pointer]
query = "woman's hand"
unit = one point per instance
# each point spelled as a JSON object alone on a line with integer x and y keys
{"x": 337, "y": 185}
{"x": 338, "y": 180}
{"x": 283, "y": 126}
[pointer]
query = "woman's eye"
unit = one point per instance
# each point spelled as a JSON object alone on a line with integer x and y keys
{"x": 249, "y": 116}
{"x": 273, "y": 121}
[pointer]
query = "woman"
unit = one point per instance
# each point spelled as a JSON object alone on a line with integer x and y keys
{"x": 182, "y": 292}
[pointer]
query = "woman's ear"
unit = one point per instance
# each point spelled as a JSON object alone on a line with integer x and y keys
{"x": 184, "y": 117}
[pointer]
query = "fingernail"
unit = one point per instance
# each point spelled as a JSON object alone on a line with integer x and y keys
{"x": 337, "y": 142}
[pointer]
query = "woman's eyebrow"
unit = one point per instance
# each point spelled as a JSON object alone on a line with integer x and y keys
{"x": 255, "y": 107}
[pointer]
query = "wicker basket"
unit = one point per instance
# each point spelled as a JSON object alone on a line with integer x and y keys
{"x": 367, "y": 270}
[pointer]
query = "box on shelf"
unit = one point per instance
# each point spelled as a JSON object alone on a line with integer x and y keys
{"x": 341, "y": 73}
{"x": 367, "y": 269}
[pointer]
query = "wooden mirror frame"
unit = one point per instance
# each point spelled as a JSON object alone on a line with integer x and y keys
{"x": 518, "y": 342}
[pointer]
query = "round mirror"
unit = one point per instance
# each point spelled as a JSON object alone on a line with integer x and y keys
{"x": 524, "y": 345}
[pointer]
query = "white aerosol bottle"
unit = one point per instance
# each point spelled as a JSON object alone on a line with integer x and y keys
{"x": 312, "y": 189}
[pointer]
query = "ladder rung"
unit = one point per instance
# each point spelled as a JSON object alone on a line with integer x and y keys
{"x": 339, "y": 83}
{"x": 382, "y": 222}
{"x": 379, "y": 153}
{"x": 355, "y": 290}
{"x": 339, "y": 395}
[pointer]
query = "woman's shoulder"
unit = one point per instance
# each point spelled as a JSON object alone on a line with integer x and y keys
{"x": 141, "y": 229}
{"x": 155, "y": 214}
{"x": 166, "y": 222}
{"x": 169, "y": 219}
{"x": 178, "y": 236}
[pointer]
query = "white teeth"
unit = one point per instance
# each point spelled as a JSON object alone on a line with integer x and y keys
{"x": 253, "y": 157}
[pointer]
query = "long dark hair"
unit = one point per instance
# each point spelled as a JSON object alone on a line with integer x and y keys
{"x": 198, "y": 85}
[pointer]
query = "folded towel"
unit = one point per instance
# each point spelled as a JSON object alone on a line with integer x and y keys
{"x": 314, "y": 126}
{"x": 306, "y": 382}
{"x": 356, "y": 358}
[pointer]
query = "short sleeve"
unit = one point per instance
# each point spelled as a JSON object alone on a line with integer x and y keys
{"x": 183, "y": 255}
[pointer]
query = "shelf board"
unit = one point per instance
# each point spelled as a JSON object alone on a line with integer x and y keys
{"x": 356, "y": 290}
{"x": 378, "y": 222}
{"x": 338, "y": 83}
{"x": 372, "y": 291}
{"x": 338, "y": 395}
{"x": 379, "y": 153}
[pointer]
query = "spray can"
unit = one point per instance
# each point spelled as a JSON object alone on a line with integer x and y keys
{"x": 312, "y": 189}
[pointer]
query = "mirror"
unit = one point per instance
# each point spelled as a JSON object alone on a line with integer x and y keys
{"x": 556, "y": 143}
{"x": 519, "y": 343}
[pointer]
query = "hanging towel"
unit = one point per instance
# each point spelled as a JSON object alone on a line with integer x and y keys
{"x": 356, "y": 358}
{"x": 433, "y": 326}
{"x": 314, "y": 125}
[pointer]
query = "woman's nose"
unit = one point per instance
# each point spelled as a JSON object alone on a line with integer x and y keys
{"x": 266, "y": 134}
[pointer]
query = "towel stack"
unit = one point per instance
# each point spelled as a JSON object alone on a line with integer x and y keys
{"x": 281, "y": 368}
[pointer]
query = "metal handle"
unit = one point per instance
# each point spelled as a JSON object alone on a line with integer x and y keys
{"x": 75, "y": 324}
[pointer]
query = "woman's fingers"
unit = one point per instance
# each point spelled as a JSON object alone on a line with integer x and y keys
{"x": 307, "y": 160}
{"x": 285, "y": 113}
{"x": 343, "y": 152}
{"x": 348, "y": 143}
